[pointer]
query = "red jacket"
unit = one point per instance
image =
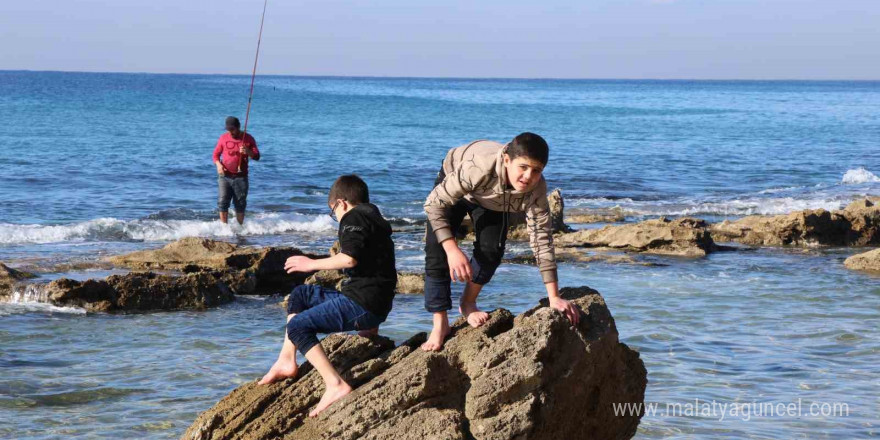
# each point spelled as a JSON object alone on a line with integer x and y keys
{"x": 227, "y": 153}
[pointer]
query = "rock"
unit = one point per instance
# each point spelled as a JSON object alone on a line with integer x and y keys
{"x": 688, "y": 237}
{"x": 264, "y": 267}
{"x": 10, "y": 278}
{"x": 867, "y": 261}
{"x": 406, "y": 282}
{"x": 530, "y": 377}
{"x": 856, "y": 225}
{"x": 576, "y": 255}
{"x": 603, "y": 216}
{"x": 141, "y": 292}
{"x": 331, "y": 279}
{"x": 186, "y": 252}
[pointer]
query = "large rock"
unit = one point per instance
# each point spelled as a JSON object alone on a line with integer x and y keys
{"x": 407, "y": 282}
{"x": 141, "y": 292}
{"x": 856, "y": 225}
{"x": 11, "y": 278}
{"x": 688, "y": 237}
{"x": 867, "y": 261}
{"x": 530, "y": 377}
{"x": 184, "y": 253}
{"x": 251, "y": 270}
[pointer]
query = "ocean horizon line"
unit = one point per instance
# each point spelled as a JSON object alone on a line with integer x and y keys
{"x": 463, "y": 78}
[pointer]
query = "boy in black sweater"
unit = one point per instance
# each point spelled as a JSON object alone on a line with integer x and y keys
{"x": 367, "y": 256}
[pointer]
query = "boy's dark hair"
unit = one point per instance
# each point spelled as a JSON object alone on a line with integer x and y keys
{"x": 351, "y": 188}
{"x": 529, "y": 145}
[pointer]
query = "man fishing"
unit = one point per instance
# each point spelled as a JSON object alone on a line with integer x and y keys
{"x": 231, "y": 158}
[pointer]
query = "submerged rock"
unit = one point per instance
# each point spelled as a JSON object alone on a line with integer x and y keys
{"x": 688, "y": 237}
{"x": 529, "y": 377}
{"x": 856, "y": 225}
{"x": 10, "y": 278}
{"x": 867, "y": 261}
{"x": 141, "y": 292}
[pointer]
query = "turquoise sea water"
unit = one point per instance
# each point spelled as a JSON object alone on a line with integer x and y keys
{"x": 99, "y": 164}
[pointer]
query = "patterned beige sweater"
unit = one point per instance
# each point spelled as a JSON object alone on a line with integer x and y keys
{"x": 476, "y": 173}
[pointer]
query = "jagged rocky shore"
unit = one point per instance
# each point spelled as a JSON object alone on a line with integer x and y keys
{"x": 196, "y": 273}
{"x": 532, "y": 376}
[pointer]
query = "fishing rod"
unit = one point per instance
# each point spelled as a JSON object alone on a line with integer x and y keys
{"x": 253, "y": 77}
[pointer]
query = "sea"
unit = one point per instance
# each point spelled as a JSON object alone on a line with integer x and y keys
{"x": 785, "y": 340}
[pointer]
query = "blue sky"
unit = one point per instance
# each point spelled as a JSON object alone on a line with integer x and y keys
{"x": 707, "y": 39}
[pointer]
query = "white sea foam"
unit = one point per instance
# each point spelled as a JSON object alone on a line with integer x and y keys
{"x": 33, "y": 299}
{"x": 111, "y": 229}
{"x": 734, "y": 207}
{"x": 859, "y": 175}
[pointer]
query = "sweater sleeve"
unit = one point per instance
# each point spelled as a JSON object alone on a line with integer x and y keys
{"x": 452, "y": 189}
{"x": 541, "y": 234}
{"x": 217, "y": 150}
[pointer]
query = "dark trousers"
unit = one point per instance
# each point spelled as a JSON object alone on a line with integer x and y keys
{"x": 322, "y": 310}
{"x": 490, "y": 228}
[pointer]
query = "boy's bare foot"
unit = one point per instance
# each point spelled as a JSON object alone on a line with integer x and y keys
{"x": 283, "y": 368}
{"x": 436, "y": 338}
{"x": 369, "y": 332}
{"x": 475, "y": 317}
{"x": 331, "y": 394}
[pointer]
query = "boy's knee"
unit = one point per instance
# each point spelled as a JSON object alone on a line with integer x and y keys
{"x": 484, "y": 268}
{"x": 298, "y": 298}
{"x": 302, "y": 336}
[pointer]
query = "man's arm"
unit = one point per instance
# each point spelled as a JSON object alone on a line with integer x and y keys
{"x": 216, "y": 156}
{"x": 253, "y": 151}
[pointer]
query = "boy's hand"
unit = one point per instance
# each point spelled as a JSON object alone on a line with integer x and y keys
{"x": 299, "y": 263}
{"x": 459, "y": 267}
{"x": 570, "y": 310}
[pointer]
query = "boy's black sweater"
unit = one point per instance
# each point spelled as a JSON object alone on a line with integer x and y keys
{"x": 366, "y": 236}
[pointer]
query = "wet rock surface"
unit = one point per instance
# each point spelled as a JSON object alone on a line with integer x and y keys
{"x": 533, "y": 376}
{"x": 11, "y": 278}
{"x": 686, "y": 237}
{"x": 866, "y": 261}
{"x": 856, "y": 225}
{"x": 246, "y": 270}
{"x": 145, "y": 291}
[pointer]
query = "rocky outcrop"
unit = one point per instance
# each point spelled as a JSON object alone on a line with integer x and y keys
{"x": 141, "y": 292}
{"x": 687, "y": 237}
{"x": 529, "y": 377}
{"x": 867, "y": 261}
{"x": 407, "y": 282}
{"x": 247, "y": 270}
{"x": 856, "y": 225}
{"x": 10, "y": 278}
{"x": 596, "y": 216}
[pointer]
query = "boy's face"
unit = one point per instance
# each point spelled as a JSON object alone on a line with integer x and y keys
{"x": 523, "y": 173}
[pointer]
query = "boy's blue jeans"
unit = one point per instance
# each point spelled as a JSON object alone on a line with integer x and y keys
{"x": 322, "y": 310}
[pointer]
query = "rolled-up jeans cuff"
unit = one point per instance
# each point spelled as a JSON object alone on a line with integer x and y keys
{"x": 482, "y": 273}
{"x": 438, "y": 294}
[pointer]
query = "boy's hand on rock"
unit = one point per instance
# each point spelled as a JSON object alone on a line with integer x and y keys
{"x": 570, "y": 310}
{"x": 459, "y": 267}
{"x": 298, "y": 263}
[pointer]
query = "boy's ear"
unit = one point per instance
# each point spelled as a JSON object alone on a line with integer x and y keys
{"x": 506, "y": 159}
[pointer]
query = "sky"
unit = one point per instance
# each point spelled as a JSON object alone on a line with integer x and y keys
{"x": 640, "y": 39}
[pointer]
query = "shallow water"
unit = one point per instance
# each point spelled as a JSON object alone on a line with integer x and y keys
{"x": 117, "y": 163}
